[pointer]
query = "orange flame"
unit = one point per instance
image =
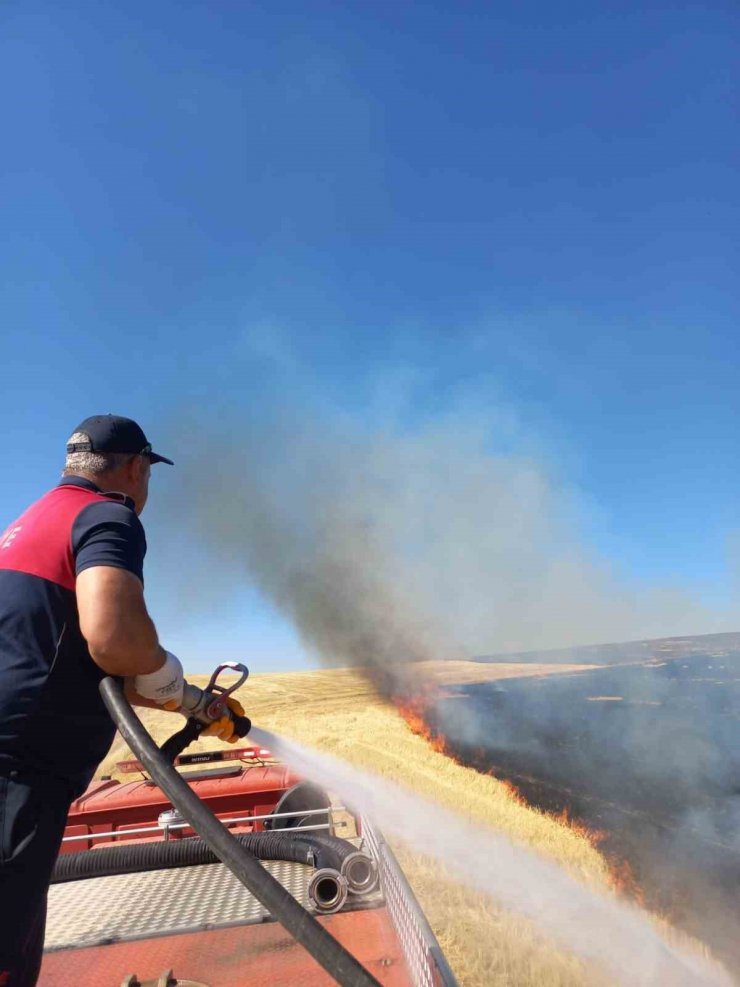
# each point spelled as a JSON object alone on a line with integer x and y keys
{"x": 413, "y": 712}
{"x": 622, "y": 877}
{"x": 624, "y": 881}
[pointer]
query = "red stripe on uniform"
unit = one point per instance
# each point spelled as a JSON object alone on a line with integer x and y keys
{"x": 39, "y": 542}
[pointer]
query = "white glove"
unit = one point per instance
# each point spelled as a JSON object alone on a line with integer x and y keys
{"x": 163, "y": 686}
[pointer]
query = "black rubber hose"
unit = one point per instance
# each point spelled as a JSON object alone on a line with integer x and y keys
{"x": 304, "y": 928}
{"x": 328, "y": 851}
{"x": 302, "y": 848}
{"x": 144, "y": 856}
{"x": 334, "y": 845}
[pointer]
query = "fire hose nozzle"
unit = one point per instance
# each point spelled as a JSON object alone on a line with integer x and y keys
{"x": 210, "y": 703}
{"x": 194, "y": 702}
{"x": 202, "y": 707}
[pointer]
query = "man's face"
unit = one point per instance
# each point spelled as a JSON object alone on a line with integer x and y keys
{"x": 133, "y": 480}
{"x": 142, "y": 487}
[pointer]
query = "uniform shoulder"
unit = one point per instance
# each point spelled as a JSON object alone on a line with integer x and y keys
{"x": 109, "y": 509}
{"x": 108, "y": 533}
{"x": 106, "y": 514}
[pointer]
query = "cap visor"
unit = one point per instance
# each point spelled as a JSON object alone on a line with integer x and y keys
{"x": 155, "y": 458}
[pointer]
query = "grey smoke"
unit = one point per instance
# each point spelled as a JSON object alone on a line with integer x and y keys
{"x": 390, "y": 546}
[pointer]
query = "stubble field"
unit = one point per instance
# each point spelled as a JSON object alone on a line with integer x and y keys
{"x": 339, "y": 712}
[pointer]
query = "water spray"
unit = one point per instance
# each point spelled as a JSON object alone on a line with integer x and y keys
{"x": 599, "y": 928}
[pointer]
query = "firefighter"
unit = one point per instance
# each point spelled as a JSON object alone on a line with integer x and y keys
{"x": 71, "y": 611}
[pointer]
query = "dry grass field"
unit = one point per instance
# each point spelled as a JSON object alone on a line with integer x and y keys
{"x": 338, "y": 712}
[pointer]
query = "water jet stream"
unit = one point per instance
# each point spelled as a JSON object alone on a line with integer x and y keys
{"x": 597, "y": 927}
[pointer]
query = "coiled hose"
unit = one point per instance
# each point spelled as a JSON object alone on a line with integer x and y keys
{"x": 143, "y": 856}
{"x": 341, "y": 855}
{"x": 316, "y": 850}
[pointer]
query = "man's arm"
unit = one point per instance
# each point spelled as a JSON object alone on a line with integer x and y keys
{"x": 122, "y": 640}
{"x": 120, "y": 634}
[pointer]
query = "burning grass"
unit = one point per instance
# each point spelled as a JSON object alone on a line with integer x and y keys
{"x": 338, "y": 712}
{"x": 621, "y": 876}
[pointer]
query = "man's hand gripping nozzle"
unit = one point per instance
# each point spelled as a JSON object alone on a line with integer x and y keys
{"x": 211, "y": 711}
{"x": 215, "y": 706}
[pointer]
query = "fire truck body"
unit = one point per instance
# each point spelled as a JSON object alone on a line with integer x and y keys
{"x": 174, "y": 922}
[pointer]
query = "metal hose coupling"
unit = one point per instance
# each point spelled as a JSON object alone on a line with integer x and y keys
{"x": 327, "y": 890}
{"x": 210, "y": 703}
{"x": 361, "y": 873}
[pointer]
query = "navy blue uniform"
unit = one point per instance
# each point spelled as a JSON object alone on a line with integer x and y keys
{"x": 54, "y": 728}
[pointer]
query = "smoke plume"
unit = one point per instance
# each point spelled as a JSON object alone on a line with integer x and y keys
{"x": 392, "y": 546}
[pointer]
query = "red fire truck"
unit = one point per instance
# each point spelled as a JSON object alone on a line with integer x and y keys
{"x": 225, "y": 869}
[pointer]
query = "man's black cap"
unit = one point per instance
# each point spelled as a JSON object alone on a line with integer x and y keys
{"x": 111, "y": 433}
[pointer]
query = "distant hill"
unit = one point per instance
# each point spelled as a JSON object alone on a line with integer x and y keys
{"x": 627, "y": 652}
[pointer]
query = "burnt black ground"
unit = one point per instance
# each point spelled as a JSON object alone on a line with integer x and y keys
{"x": 647, "y": 751}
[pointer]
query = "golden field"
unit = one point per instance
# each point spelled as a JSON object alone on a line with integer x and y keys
{"x": 338, "y": 711}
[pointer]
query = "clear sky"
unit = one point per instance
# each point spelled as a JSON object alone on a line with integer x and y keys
{"x": 537, "y": 201}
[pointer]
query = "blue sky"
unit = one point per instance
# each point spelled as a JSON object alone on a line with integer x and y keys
{"x": 385, "y": 209}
